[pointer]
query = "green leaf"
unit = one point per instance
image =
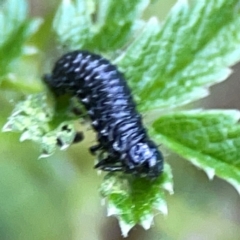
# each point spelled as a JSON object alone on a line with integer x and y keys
{"x": 72, "y": 23}
{"x": 34, "y": 118}
{"x": 209, "y": 140}
{"x": 133, "y": 199}
{"x": 116, "y": 23}
{"x": 175, "y": 64}
{"x": 15, "y": 29}
{"x": 13, "y": 13}
{"x": 97, "y": 25}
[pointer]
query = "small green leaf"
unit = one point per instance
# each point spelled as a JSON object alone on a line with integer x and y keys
{"x": 175, "y": 64}
{"x": 72, "y": 23}
{"x": 116, "y": 23}
{"x": 34, "y": 118}
{"x": 133, "y": 199}
{"x": 209, "y": 140}
{"x": 15, "y": 30}
{"x": 97, "y": 25}
{"x": 13, "y": 14}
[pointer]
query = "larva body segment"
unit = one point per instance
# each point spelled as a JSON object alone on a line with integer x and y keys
{"x": 123, "y": 144}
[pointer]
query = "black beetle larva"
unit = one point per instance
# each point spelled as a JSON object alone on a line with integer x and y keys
{"x": 123, "y": 143}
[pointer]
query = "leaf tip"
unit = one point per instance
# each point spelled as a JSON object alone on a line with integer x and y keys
{"x": 235, "y": 114}
{"x": 125, "y": 227}
{"x": 183, "y": 2}
{"x": 153, "y": 20}
{"x": 168, "y": 186}
{"x": 66, "y": 2}
{"x": 179, "y": 4}
{"x": 210, "y": 172}
{"x": 235, "y": 184}
{"x": 25, "y": 136}
{"x": 112, "y": 210}
{"x": 64, "y": 146}
{"x": 44, "y": 155}
{"x": 7, "y": 127}
{"x": 161, "y": 205}
{"x": 147, "y": 221}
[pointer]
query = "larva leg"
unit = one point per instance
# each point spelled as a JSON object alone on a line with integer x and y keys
{"x": 78, "y": 137}
{"x": 107, "y": 164}
{"x": 112, "y": 168}
{"x": 93, "y": 149}
{"x": 101, "y": 163}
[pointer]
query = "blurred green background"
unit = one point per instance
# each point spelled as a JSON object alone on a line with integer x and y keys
{"x": 57, "y": 198}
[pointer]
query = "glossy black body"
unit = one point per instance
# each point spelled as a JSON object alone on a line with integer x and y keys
{"x": 123, "y": 144}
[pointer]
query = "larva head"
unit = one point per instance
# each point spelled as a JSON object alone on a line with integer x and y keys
{"x": 147, "y": 160}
